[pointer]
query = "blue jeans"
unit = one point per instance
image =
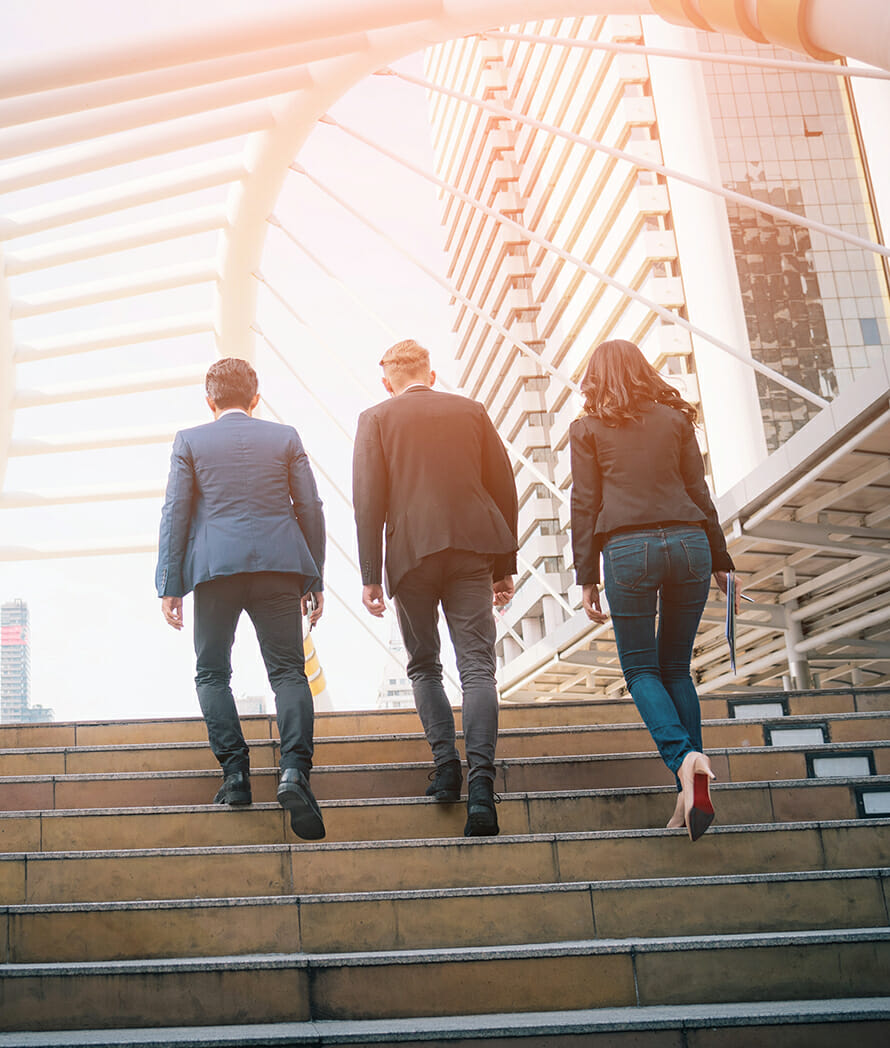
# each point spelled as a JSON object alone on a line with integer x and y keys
{"x": 665, "y": 569}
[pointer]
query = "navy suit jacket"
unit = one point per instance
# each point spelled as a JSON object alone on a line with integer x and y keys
{"x": 241, "y": 497}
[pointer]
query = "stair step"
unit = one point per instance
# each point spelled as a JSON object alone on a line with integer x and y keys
{"x": 194, "y": 785}
{"x": 446, "y": 918}
{"x": 513, "y": 744}
{"x": 389, "y": 984}
{"x": 284, "y": 869}
{"x": 419, "y": 817}
{"x": 816, "y": 1024}
{"x": 398, "y": 722}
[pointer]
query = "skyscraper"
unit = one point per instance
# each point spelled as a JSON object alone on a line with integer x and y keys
{"x": 598, "y": 243}
{"x": 15, "y": 667}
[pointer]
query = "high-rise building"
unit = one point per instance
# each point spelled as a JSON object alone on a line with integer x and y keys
{"x": 609, "y": 240}
{"x": 15, "y": 667}
{"x": 15, "y": 661}
{"x": 395, "y": 691}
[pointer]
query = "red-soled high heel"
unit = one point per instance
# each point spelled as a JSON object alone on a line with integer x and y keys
{"x": 695, "y": 776}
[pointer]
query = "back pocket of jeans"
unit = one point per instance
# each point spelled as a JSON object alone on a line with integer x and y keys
{"x": 698, "y": 556}
{"x": 628, "y": 563}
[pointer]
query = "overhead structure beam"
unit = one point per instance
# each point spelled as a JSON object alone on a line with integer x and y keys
{"x": 129, "y": 146}
{"x": 237, "y": 68}
{"x": 80, "y": 496}
{"x": 134, "y": 193}
{"x": 114, "y": 288}
{"x": 126, "y": 238}
{"x": 146, "y": 382}
{"x": 123, "y": 438}
{"x": 112, "y": 337}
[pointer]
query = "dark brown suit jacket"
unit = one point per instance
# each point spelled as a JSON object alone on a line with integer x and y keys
{"x": 431, "y": 469}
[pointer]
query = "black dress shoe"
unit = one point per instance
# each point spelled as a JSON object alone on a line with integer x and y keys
{"x": 446, "y": 783}
{"x": 295, "y": 797}
{"x": 235, "y": 790}
{"x": 482, "y": 819}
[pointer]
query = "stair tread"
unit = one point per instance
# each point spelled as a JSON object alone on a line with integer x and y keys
{"x": 525, "y": 1024}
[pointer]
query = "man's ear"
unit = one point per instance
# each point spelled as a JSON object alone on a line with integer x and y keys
{"x": 253, "y": 404}
{"x": 432, "y": 379}
{"x": 211, "y": 404}
{"x": 387, "y": 385}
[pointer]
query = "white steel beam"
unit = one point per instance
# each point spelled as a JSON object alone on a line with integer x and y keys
{"x": 215, "y": 39}
{"x": 135, "y": 193}
{"x": 124, "y": 238}
{"x": 112, "y": 337}
{"x": 115, "y": 288}
{"x": 111, "y": 547}
{"x": 829, "y": 69}
{"x": 125, "y": 88}
{"x": 86, "y": 157}
{"x": 144, "y": 382}
{"x": 67, "y": 442}
{"x": 72, "y": 497}
{"x": 111, "y": 119}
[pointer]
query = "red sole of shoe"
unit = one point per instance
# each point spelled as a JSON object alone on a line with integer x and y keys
{"x": 701, "y": 814}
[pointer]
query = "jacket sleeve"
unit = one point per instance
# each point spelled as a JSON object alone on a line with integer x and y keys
{"x": 693, "y": 470}
{"x": 307, "y": 504}
{"x": 370, "y": 497}
{"x": 175, "y": 521}
{"x": 499, "y": 482}
{"x": 587, "y": 498}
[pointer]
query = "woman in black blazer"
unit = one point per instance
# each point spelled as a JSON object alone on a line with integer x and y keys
{"x": 639, "y": 498}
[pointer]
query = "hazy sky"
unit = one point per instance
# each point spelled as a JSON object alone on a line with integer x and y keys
{"x": 99, "y": 645}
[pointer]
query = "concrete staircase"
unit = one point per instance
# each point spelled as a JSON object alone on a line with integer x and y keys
{"x": 134, "y": 912}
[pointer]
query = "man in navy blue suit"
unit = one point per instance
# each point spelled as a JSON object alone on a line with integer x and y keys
{"x": 242, "y": 526}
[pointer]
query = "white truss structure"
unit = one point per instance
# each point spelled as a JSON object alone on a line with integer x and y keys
{"x": 163, "y": 164}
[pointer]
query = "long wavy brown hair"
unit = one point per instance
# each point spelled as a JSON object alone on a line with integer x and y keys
{"x": 620, "y": 384}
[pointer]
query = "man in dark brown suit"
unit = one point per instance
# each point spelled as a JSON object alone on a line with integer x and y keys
{"x": 430, "y": 468}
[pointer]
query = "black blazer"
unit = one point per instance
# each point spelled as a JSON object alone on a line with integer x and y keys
{"x": 432, "y": 469}
{"x": 649, "y": 471}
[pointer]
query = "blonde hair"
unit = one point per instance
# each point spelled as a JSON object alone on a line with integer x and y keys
{"x": 405, "y": 360}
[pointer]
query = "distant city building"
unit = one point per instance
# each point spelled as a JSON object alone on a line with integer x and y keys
{"x": 250, "y": 705}
{"x": 15, "y": 667}
{"x": 794, "y": 299}
{"x": 395, "y": 692}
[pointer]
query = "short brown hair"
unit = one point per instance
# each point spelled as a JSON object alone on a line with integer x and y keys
{"x": 231, "y": 383}
{"x": 405, "y": 358}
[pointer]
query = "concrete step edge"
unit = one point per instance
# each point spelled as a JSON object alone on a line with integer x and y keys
{"x": 482, "y": 1027}
{"x": 796, "y": 720}
{"x": 418, "y": 894}
{"x": 824, "y": 749}
{"x": 451, "y": 955}
{"x": 504, "y": 840}
{"x": 359, "y": 802}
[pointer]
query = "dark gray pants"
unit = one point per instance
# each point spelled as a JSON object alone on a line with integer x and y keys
{"x": 461, "y": 582}
{"x": 272, "y": 600}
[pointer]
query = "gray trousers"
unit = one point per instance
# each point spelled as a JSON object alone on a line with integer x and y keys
{"x": 461, "y": 582}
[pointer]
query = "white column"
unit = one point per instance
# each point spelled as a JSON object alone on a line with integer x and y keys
{"x": 728, "y": 389}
